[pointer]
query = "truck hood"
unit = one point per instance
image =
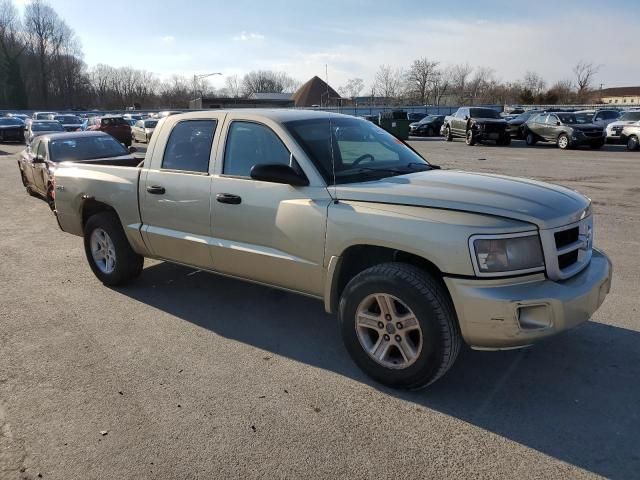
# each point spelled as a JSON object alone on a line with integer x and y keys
{"x": 539, "y": 203}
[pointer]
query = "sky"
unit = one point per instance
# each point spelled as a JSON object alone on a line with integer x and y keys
{"x": 352, "y": 38}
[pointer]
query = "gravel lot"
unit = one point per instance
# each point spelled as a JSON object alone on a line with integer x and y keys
{"x": 197, "y": 376}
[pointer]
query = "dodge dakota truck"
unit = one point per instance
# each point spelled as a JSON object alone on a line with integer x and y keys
{"x": 414, "y": 259}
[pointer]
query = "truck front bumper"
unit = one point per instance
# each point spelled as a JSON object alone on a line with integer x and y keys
{"x": 501, "y": 314}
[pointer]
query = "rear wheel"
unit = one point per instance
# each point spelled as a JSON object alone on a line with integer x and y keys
{"x": 633, "y": 143}
{"x": 399, "y": 326}
{"x": 563, "y": 141}
{"x": 108, "y": 252}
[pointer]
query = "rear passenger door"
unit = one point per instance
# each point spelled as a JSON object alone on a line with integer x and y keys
{"x": 175, "y": 192}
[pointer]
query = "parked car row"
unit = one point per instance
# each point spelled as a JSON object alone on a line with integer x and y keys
{"x": 567, "y": 129}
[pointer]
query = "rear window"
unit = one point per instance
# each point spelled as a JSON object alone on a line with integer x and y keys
{"x": 630, "y": 116}
{"x": 67, "y": 119}
{"x": 189, "y": 146}
{"x": 114, "y": 122}
{"x": 85, "y": 148}
{"x": 46, "y": 127}
{"x": 150, "y": 123}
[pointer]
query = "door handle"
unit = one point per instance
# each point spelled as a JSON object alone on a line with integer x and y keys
{"x": 228, "y": 198}
{"x": 156, "y": 190}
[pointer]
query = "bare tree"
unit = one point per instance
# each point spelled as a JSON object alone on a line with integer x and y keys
{"x": 233, "y": 86}
{"x": 388, "y": 81}
{"x": 440, "y": 84}
{"x": 534, "y": 83}
{"x": 46, "y": 34}
{"x": 584, "y": 73}
{"x": 267, "y": 81}
{"x": 482, "y": 81}
{"x": 420, "y": 78}
{"x": 12, "y": 47}
{"x": 352, "y": 88}
{"x": 459, "y": 81}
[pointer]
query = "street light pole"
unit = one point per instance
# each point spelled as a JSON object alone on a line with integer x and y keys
{"x": 200, "y": 77}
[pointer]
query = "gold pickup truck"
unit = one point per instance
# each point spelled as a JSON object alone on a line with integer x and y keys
{"x": 412, "y": 258}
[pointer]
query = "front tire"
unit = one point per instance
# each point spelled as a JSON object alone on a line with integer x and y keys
{"x": 633, "y": 143}
{"x": 108, "y": 252}
{"x": 447, "y": 134}
{"x": 530, "y": 139}
{"x": 563, "y": 141}
{"x": 399, "y": 325}
{"x": 469, "y": 138}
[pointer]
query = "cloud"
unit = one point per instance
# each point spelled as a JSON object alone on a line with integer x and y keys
{"x": 245, "y": 36}
{"x": 168, "y": 39}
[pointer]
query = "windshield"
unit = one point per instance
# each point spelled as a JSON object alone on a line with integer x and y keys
{"x": 150, "y": 123}
{"x": 579, "y": 118}
{"x": 11, "y": 121}
{"x": 85, "y": 148}
{"x": 428, "y": 119}
{"x": 42, "y": 115}
{"x": 526, "y": 115}
{"x": 67, "y": 119}
{"x": 483, "y": 113}
{"x": 630, "y": 117}
{"x": 361, "y": 150}
{"x": 46, "y": 127}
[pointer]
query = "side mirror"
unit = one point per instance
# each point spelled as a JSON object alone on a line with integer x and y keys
{"x": 558, "y": 124}
{"x": 466, "y": 117}
{"x": 132, "y": 149}
{"x": 278, "y": 173}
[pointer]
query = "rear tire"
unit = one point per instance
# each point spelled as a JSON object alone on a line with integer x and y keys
{"x": 428, "y": 325}
{"x": 633, "y": 143}
{"x": 104, "y": 239}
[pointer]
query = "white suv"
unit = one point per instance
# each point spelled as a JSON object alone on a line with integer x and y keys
{"x": 614, "y": 129}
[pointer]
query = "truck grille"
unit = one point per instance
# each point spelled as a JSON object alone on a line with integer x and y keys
{"x": 568, "y": 249}
{"x": 493, "y": 128}
{"x": 592, "y": 133}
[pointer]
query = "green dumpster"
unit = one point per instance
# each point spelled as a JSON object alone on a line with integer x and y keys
{"x": 395, "y": 122}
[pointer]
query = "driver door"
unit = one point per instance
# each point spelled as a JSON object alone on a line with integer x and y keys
{"x": 40, "y": 169}
{"x": 268, "y": 232}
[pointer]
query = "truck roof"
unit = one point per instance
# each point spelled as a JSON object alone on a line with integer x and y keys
{"x": 70, "y": 135}
{"x": 276, "y": 114}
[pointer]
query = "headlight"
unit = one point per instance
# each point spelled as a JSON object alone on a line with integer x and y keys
{"x": 499, "y": 255}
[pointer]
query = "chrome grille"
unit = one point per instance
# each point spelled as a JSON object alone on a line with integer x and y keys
{"x": 567, "y": 249}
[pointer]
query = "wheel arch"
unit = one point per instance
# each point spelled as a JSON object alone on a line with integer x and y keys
{"x": 357, "y": 258}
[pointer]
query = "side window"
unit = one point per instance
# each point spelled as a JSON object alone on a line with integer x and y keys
{"x": 552, "y": 120}
{"x": 189, "y": 146}
{"x": 42, "y": 150}
{"x": 250, "y": 144}
{"x": 140, "y": 124}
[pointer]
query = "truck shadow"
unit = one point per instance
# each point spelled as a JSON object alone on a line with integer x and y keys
{"x": 575, "y": 398}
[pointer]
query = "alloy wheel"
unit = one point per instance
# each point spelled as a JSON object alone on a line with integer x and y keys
{"x": 388, "y": 331}
{"x": 103, "y": 251}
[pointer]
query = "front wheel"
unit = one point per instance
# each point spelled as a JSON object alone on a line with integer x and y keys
{"x": 530, "y": 139}
{"x": 470, "y": 139}
{"x": 633, "y": 143}
{"x": 399, "y": 325}
{"x": 108, "y": 251}
{"x": 447, "y": 134}
{"x": 563, "y": 141}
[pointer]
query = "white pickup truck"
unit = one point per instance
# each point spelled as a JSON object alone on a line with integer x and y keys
{"x": 413, "y": 259}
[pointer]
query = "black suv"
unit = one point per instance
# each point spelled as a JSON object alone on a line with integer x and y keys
{"x": 476, "y": 124}
{"x": 427, "y": 126}
{"x": 565, "y": 129}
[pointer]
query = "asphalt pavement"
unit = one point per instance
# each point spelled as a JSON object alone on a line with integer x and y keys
{"x": 188, "y": 375}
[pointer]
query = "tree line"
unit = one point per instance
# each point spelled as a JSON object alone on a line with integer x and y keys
{"x": 426, "y": 81}
{"x": 41, "y": 66}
